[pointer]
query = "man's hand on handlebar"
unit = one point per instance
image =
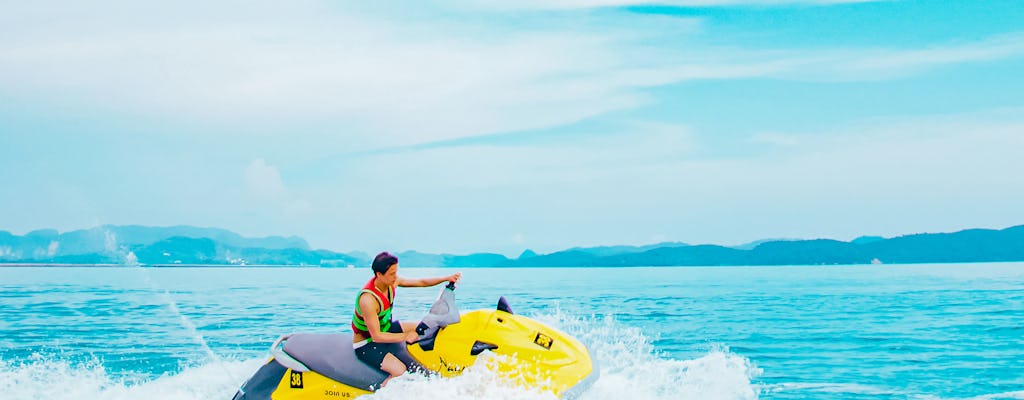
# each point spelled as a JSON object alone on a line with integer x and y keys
{"x": 411, "y": 337}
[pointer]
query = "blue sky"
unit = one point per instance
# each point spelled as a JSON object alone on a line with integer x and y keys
{"x": 478, "y": 125}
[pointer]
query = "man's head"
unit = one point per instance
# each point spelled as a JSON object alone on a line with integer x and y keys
{"x": 385, "y": 268}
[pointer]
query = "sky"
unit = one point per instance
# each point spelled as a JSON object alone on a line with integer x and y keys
{"x": 498, "y": 126}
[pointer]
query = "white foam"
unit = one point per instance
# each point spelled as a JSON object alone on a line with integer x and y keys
{"x": 1015, "y": 395}
{"x": 56, "y": 379}
{"x": 1000, "y": 396}
{"x": 825, "y": 387}
{"x": 476, "y": 382}
{"x": 632, "y": 368}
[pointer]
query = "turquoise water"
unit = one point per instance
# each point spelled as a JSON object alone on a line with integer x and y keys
{"x": 858, "y": 332}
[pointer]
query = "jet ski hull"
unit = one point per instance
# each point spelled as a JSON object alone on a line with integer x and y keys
{"x": 276, "y": 382}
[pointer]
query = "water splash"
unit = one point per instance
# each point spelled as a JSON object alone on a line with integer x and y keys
{"x": 632, "y": 368}
{"x": 129, "y": 259}
{"x": 1015, "y": 395}
{"x": 831, "y": 388}
{"x": 479, "y": 381}
{"x": 43, "y": 378}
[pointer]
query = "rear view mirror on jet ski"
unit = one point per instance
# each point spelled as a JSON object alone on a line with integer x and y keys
{"x": 324, "y": 366}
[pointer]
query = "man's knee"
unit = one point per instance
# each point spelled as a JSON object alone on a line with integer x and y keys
{"x": 392, "y": 365}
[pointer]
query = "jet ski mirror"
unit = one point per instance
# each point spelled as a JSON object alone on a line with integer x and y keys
{"x": 479, "y": 347}
{"x": 442, "y": 313}
{"x": 503, "y": 305}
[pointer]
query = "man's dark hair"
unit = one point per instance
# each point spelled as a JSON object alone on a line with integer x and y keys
{"x": 382, "y": 262}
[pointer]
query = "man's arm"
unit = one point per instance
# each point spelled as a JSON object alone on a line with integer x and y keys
{"x": 369, "y": 308}
{"x": 424, "y": 282}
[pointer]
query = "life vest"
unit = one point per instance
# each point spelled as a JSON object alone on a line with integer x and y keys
{"x": 384, "y": 300}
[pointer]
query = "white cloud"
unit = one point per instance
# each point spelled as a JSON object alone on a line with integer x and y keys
{"x": 264, "y": 179}
{"x": 938, "y": 173}
{"x": 388, "y": 78}
{"x": 776, "y": 139}
{"x": 273, "y": 201}
{"x": 402, "y": 81}
{"x": 571, "y": 4}
{"x": 572, "y": 158}
{"x": 869, "y": 64}
{"x": 945, "y": 156}
{"x": 299, "y": 209}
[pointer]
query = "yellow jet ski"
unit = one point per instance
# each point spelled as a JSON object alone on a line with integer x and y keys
{"x": 311, "y": 366}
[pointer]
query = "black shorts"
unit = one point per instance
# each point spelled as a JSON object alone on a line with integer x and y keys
{"x": 373, "y": 353}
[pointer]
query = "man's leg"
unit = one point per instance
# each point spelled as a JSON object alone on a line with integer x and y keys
{"x": 393, "y": 366}
{"x": 410, "y": 363}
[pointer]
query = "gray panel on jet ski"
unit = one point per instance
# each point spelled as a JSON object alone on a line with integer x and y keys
{"x": 262, "y": 383}
{"x": 331, "y": 355}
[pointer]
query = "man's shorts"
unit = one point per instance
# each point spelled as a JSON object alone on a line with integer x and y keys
{"x": 372, "y": 353}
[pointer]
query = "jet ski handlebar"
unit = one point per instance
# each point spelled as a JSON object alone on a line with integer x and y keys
{"x": 443, "y": 313}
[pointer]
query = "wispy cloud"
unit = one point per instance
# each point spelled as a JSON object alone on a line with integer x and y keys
{"x": 559, "y": 160}
{"x": 378, "y": 77}
{"x": 839, "y": 182}
{"x": 577, "y": 4}
{"x": 994, "y": 48}
{"x": 397, "y": 79}
{"x": 267, "y": 192}
{"x": 873, "y": 64}
{"x": 263, "y": 179}
{"x": 776, "y": 139}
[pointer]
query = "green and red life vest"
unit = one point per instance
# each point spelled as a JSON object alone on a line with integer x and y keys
{"x": 384, "y": 316}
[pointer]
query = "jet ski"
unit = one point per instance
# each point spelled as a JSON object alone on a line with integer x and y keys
{"x": 311, "y": 366}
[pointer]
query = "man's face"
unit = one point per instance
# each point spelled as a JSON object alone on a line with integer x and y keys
{"x": 390, "y": 277}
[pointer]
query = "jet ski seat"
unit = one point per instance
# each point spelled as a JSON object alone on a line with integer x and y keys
{"x": 331, "y": 355}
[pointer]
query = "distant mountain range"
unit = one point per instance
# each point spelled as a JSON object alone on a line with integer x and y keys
{"x": 186, "y": 245}
{"x": 133, "y": 244}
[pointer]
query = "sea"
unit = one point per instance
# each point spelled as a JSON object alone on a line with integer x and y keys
{"x": 927, "y": 332}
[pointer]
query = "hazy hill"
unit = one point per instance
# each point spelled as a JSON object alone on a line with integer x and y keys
{"x": 974, "y": 245}
{"x": 191, "y": 245}
{"x": 157, "y": 245}
{"x": 416, "y": 259}
{"x": 604, "y": 251}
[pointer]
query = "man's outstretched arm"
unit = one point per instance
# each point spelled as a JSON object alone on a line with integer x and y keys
{"x": 425, "y": 282}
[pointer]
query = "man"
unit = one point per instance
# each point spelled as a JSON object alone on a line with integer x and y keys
{"x": 372, "y": 326}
